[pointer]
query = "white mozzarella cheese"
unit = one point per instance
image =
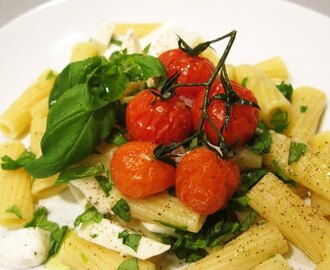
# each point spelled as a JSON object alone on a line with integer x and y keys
{"x": 105, "y": 233}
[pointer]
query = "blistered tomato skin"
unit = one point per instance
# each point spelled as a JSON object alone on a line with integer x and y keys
{"x": 137, "y": 174}
{"x": 205, "y": 182}
{"x": 243, "y": 119}
{"x": 156, "y": 120}
{"x": 192, "y": 69}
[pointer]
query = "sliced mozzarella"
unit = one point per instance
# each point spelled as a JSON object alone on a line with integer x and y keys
{"x": 131, "y": 43}
{"x": 105, "y": 233}
{"x": 158, "y": 228}
{"x": 24, "y": 248}
{"x": 103, "y": 34}
{"x": 78, "y": 195}
{"x": 166, "y": 37}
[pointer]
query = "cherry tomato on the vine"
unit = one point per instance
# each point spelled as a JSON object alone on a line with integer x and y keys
{"x": 243, "y": 119}
{"x": 204, "y": 181}
{"x": 149, "y": 118}
{"x": 192, "y": 69}
{"x": 137, "y": 174}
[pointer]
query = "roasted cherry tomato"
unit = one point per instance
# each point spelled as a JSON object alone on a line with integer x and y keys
{"x": 204, "y": 181}
{"x": 149, "y": 118}
{"x": 243, "y": 118}
{"x": 192, "y": 69}
{"x": 137, "y": 174}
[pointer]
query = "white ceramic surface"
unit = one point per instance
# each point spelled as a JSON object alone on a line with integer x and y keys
{"x": 43, "y": 37}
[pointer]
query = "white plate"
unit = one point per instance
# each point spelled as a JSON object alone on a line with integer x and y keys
{"x": 43, "y": 37}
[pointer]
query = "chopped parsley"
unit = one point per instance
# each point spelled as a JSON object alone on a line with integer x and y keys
{"x": 105, "y": 183}
{"x": 261, "y": 141}
{"x": 244, "y": 81}
{"x": 90, "y": 214}
{"x": 122, "y": 209}
{"x": 129, "y": 264}
{"x": 280, "y": 120}
{"x": 15, "y": 210}
{"x": 303, "y": 109}
{"x": 130, "y": 239}
{"x": 69, "y": 174}
{"x": 286, "y": 90}
{"x": 10, "y": 164}
{"x": 296, "y": 151}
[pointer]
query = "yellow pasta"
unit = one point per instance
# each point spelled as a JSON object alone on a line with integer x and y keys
{"x": 274, "y": 68}
{"x": 84, "y": 50}
{"x": 308, "y": 104}
{"x": 321, "y": 205}
{"x": 309, "y": 171}
{"x": 140, "y": 29}
{"x": 16, "y": 119}
{"x": 79, "y": 254}
{"x": 299, "y": 222}
{"x": 324, "y": 265}
{"x": 320, "y": 145}
{"x": 276, "y": 262}
{"x": 247, "y": 159}
{"x": 246, "y": 251}
{"x": 41, "y": 108}
{"x": 16, "y": 203}
{"x": 272, "y": 103}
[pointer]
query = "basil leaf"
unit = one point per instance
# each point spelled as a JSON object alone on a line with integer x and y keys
{"x": 105, "y": 183}
{"x": 57, "y": 233}
{"x": 78, "y": 172}
{"x": 130, "y": 239}
{"x": 286, "y": 90}
{"x": 129, "y": 264}
{"x": 248, "y": 221}
{"x": 15, "y": 210}
{"x": 90, "y": 214}
{"x": 279, "y": 120}
{"x": 71, "y": 134}
{"x": 281, "y": 173}
{"x": 261, "y": 141}
{"x": 180, "y": 228}
{"x": 72, "y": 75}
{"x": 11, "y": 164}
{"x": 108, "y": 82}
{"x": 296, "y": 151}
{"x": 250, "y": 178}
{"x": 122, "y": 209}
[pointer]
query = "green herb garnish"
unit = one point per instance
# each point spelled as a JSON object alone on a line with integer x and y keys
{"x": 296, "y": 151}
{"x": 129, "y": 264}
{"x": 15, "y": 210}
{"x": 122, "y": 209}
{"x": 286, "y": 90}
{"x": 10, "y": 164}
{"x": 130, "y": 239}
{"x": 279, "y": 120}
{"x": 90, "y": 214}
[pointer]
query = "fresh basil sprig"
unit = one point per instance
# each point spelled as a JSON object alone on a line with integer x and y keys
{"x": 84, "y": 105}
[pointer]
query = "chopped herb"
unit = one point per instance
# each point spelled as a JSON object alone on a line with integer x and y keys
{"x": 286, "y": 90}
{"x": 281, "y": 173}
{"x": 116, "y": 42}
{"x": 261, "y": 141}
{"x": 296, "y": 151}
{"x": 57, "y": 233}
{"x": 15, "y": 210}
{"x": 129, "y": 264}
{"x": 250, "y": 178}
{"x": 10, "y": 164}
{"x": 78, "y": 172}
{"x": 51, "y": 75}
{"x": 244, "y": 81}
{"x": 146, "y": 48}
{"x": 279, "y": 120}
{"x": 303, "y": 109}
{"x": 105, "y": 183}
{"x": 84, "y": 257}
{"x": 181, "y": 228}
{"x": 90, "y": 214}
{"x": 122, "y": 210}
{"x": 248, "y": 221}
{"x": 94, "y": 235}
{"x": 130, "y": 239}
{"x": 193, "y": 144}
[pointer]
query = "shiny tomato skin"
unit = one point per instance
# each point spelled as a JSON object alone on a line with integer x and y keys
{"x": 156, "y": 120}
{"x": 193, "y": 69}
{"x": 204, "y": 181}
{"x": 137, "y": 174}
{"x": 243, "y": 119}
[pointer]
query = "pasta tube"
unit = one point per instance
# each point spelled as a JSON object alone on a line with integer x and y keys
{"x": 309, "y": 170}
{"x": 308, "y": 104}
{"x": 299, "y": 222}
{"x": 16, "y": 119}
{"x": 16, "y": 203}
{"x": 163, "y": 208}
{"x": 324, "y": 265}
{"x": 274, "y": 106}
{"x": 246, "y": 251}
{"x": 247, "y": 159}
{"x": 274, "y": 68}
{"x": 276, "y": 262}
{"x": 84, "y": 50}
{"x": 79, "y": 254}
{"x": 140, "y": 29}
